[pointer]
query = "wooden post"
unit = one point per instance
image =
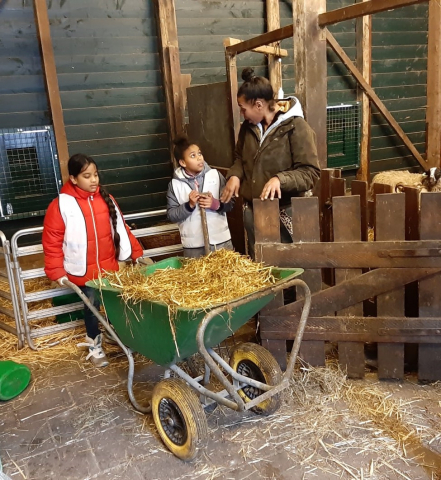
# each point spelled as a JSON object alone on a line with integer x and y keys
{"x": 51, "y": 82}
{"x": 232, "y": 87}
{"x": 363, "y": 29}
{"x": 170, "y": 65}
{"x": 274, "y": 63}
{"x": 311, "y": 67}
{"x": 433, "y": 116}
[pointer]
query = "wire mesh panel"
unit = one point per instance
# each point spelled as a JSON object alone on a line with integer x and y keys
{"x": 29, "y": 171}
{"x": 343, "y": 135}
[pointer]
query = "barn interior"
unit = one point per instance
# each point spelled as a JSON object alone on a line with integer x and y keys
{"x": 119, "y": 81}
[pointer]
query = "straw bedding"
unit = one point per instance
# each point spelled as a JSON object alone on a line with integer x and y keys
{"x": 201, "y": 283}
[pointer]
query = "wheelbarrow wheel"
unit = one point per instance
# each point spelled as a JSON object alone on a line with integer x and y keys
{"x": 256, "y": 362}
{"x": 179, "y": 418}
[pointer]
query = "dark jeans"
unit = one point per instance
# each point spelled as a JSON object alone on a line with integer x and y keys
{"x": 91, "y": 322}
{"x": 248, "y": 221}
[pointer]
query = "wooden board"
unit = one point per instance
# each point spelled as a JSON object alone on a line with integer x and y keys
{"x": 429, "y": 356}
{"x": 424, "y": 330}
{"x": 347, "y": 228}
{"x": 210, "y": 124}
{"x": 360, "y": 288}
{"x": 363, "y": 33}
{"x": 274, "y": 63}
{"x": 390, "y": 225}
{"x": 267, "y": 229}
{"x": 51, "y": 83}
{"x": 365, "y": 8}
{"x": 306, "y": 228}
{"x": 310, "y": 69}
{"x": 433, "y": 151}
{"x": 360, "y": 188}
{"x": 412, "y": 232}
{"x": 385, "y": 254}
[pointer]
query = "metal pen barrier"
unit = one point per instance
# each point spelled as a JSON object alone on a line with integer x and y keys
{"x": 21, "y": 275}
{"x": 11, "y": 295}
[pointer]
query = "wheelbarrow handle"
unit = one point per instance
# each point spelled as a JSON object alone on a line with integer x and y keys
{"x": 224, "y": 308}
{"x": 94, "y": 310}
{"x": 112, "y": 334}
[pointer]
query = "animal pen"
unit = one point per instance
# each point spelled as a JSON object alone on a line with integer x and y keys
{"x": 311, "y": 36}
{"x": 381, "y": 292}
{"x": 372, "y": 262}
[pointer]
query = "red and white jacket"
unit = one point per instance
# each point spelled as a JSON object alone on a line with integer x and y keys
{"x": 78, "y": 236}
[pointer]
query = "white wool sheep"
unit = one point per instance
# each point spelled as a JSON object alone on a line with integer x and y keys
{"x": 402, "y": 178}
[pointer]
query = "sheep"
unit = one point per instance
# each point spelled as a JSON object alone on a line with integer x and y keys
{"x": 426, "y": 182}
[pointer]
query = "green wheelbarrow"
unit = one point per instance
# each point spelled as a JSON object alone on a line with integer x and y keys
{"x": 252, "y": 379}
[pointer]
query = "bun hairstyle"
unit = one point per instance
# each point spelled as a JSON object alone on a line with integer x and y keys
{"x": 79, "y": 162}
{"x": 181, "y": 143}
{"x": 256, "y": 88}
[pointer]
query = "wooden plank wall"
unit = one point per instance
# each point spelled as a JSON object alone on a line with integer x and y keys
{"x": 202, "y": 27}
{"x": 399, "y": 76}
{"x": 107, "y": 62}
{"x": 22, "y": 98}
{"x": 111, "y": 90}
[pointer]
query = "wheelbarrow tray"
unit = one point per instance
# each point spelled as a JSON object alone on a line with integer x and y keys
{"x": 145, "y": 327}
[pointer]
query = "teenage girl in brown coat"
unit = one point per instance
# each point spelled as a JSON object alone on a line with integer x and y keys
{"x": 276, "y": 153}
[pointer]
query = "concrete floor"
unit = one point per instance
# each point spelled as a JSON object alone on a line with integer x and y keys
{"x": 75, "y": 422}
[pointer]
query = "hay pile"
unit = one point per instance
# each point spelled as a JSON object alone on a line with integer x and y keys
{"x": 201, "y": 283}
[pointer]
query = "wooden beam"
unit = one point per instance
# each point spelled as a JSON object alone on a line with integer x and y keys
{"x": 433, "y": 115}
{"x": 170, "y": 65}
{"x": 311, "y": 69}
{"x": 266, "y": 50}
{"x": 363, "y": 40}
{"x": 390, "y": 254}
{"x": 264, "y": 39}
{"x": 51, "y": 83}
{"x": 232, "y": 86}
{"x": 382, "y": 329}
{"x": 361, "y": 9}
{"x": 365, "y": 286}
{"x": 374, "y": 98}
{"x": 274, "y": 63}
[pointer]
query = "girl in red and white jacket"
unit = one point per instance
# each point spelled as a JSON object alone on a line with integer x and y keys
{"x": 85, "y": 233}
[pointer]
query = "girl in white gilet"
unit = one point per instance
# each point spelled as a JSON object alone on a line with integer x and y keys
{"x": 184, "y": 201}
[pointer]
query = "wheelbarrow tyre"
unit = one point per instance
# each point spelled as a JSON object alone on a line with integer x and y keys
{"x": 256, "y": 362}
{"x": 179, "y": 418}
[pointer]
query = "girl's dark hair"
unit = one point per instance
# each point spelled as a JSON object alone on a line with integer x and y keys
{"x": 79, "y": 162}
{"x": 182, "y": 143}
{"x": 254, "y": 88}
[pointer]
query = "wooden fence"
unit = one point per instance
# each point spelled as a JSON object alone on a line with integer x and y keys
{"x": 383, "y": 288}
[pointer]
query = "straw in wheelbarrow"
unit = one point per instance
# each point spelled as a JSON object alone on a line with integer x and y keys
{"x": 201, "y": 283}
{"x": 217, "y": 278}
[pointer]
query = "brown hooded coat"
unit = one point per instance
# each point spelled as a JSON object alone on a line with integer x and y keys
{"x": 288, "y": 151}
